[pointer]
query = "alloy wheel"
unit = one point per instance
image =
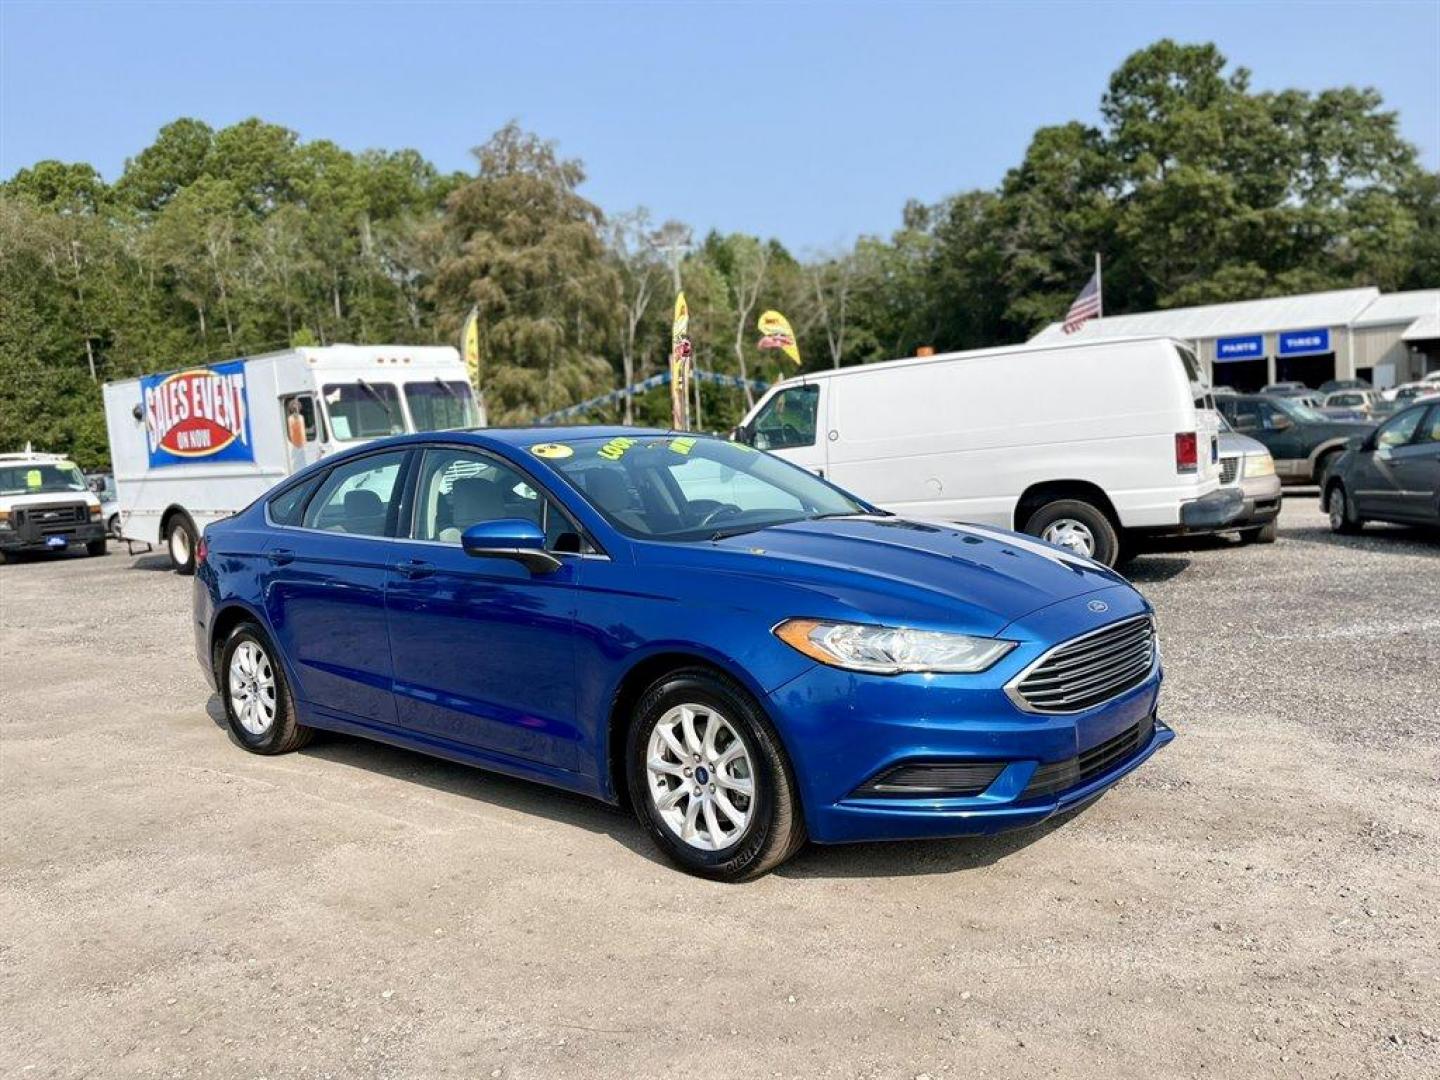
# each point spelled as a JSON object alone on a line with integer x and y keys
{"x": 1071, "y": 534}
{"x": 252, "y": 688}
{"x": 701, "y": 778}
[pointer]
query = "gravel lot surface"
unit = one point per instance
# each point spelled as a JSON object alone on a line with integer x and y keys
{"x": 1261, "y": 900}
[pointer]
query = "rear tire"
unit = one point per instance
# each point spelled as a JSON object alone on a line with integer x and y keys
{"x": 773, "y": 827}
{"x": 180, "y": 541}
{"x": 1077, "y": 526}
{"x": 1343, "y": 518}
{"x": 259, "y": 708}
{"x": 96, "y": 547}
{"x": 1266, "y": 534}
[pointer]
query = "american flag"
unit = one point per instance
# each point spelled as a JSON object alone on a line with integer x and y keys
{"x": 1086, "y": 305}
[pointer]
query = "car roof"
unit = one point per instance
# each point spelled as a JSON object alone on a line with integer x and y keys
{"x": 524, "y": 436}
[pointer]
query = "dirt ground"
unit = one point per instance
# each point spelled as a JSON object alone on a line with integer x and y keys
{"x": 1261, "y": 900}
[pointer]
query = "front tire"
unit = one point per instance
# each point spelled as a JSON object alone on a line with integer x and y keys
{"x": 180, "y": 541}
{"x": 1266, "y": 534}
{"x": 1343, "y": 519}
{"x": 259, "y": 708}
{"x": 709, "y": 779}
{"x": 1076, "y": 526}
{"x": 96, "y": 547}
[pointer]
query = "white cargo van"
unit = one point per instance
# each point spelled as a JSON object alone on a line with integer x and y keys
{"x": 1084, "y": 445}
{"x": 190, "y": 447}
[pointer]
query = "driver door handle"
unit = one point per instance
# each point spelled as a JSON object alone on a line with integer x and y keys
{"x": 280, "y": 556}
{"x": 415, "y": 568}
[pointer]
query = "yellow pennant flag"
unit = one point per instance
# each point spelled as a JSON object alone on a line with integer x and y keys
{"x": 776, "y": 334}
{"x": 470, "y": 347}
{"x": 680, "y": 366}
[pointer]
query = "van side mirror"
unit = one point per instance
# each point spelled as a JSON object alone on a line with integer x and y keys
{"x": 510, "y": 538}
{"x": 741, "y": 434}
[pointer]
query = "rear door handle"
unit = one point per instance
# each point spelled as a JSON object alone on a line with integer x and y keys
{"x": 415, "y": 568}
{"x": 280, "y": 556}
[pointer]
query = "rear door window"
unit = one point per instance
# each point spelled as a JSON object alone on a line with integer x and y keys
{"x": 358, "y": 496}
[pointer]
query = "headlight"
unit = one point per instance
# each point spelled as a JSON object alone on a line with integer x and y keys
{"x": 1259, "y": 465}
{"x": 889, "y": 650}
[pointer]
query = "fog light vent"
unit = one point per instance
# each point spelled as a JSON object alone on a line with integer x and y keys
{"x": 931, "y": 779}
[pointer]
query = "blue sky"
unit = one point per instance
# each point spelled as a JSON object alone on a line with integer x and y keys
{"x": 813, "y": 123}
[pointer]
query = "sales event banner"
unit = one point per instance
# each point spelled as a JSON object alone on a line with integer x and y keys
{"x": 199, "y": 415}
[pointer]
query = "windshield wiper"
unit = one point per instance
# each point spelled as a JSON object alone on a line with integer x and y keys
{"x": 447, "y": 388}
{"x": 377, "y": 397}
{"x": 741, "y": 530}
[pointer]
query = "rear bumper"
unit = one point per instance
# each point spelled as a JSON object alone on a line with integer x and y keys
{"x": 1211, "y": 512}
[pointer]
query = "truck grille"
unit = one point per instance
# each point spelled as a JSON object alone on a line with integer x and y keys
{"x": 37, "y": 521}
{"x": 1229, "y": 469}
{"x": 1088, "y": 670}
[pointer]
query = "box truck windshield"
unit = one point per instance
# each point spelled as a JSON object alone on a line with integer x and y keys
{"x": 363, "y": 410}
{"x": 438, "y": 405}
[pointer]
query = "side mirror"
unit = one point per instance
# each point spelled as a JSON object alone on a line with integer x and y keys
{"x": 740, "y": 433}
{"x": 1368, "y": 443}
{"x": 510, "y": 538}
{"x": 1281, "y": 423}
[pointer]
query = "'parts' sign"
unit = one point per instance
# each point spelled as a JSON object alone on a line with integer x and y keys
{"x": 199, "y": 415}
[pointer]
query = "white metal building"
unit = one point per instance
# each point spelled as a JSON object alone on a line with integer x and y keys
{"x": 1349, "y": 333}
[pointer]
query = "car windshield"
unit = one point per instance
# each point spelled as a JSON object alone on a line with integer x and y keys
{"x": 667, "y": 487}
{"x": 363, "y": 410}
{"x": 1297, "y": 411}
{"x": 40, "y": 479}
{"x": 438, "y": 405}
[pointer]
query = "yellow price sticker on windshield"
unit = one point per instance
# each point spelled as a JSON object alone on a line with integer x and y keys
{"x": 615, "y": 449}
{"x": 32, "y": 478}
{"x": 682, "y": 446}
{"x": 552, "y": 450}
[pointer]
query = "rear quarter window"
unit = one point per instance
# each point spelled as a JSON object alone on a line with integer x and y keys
{"x": 287, "y": 507}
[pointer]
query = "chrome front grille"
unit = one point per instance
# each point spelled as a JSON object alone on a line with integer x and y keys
{"x": 1089, "y": 670}
{"x": 1229, "y": 469}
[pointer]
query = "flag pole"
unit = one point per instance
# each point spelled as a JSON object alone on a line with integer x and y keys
{"x": 1099, "y": 290}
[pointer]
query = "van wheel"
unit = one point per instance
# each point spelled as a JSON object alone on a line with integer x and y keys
{"x": 95, "y": 547}
{"x": 180, "y": 541}
{"x": 1076, "y": 526}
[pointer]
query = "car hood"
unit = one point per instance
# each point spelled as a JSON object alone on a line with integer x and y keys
{"x": 916, "y": 572}
{"x": 1232, "y": 442}
{"x": 45, "y": 498}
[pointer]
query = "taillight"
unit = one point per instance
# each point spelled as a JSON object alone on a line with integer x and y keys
{"x": 201, "y": 550}
{"x": 1187, "y": 457}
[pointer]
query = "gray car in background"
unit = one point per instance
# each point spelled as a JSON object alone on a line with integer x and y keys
{"x": 1247, "y": 465}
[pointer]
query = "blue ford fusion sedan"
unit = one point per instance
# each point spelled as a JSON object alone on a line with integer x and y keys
{"x": 744, "y": 653}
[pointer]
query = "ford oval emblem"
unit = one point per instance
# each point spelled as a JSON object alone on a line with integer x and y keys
{"x": 1098, "y": 606}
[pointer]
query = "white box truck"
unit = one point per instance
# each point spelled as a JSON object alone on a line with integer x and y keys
{"x": 1085, "y": 445}
{"x": 190, "y": 447}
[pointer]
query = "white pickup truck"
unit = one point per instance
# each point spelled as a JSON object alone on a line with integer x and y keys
{"x": 46, "y": 505}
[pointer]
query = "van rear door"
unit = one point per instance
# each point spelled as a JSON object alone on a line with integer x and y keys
{"x": 791, "y": 424}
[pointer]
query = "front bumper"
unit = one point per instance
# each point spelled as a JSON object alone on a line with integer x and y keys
{"x": 57, "y": 539}
{"x": 843, "y": 729}
{"x": 1260, "y": 502}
